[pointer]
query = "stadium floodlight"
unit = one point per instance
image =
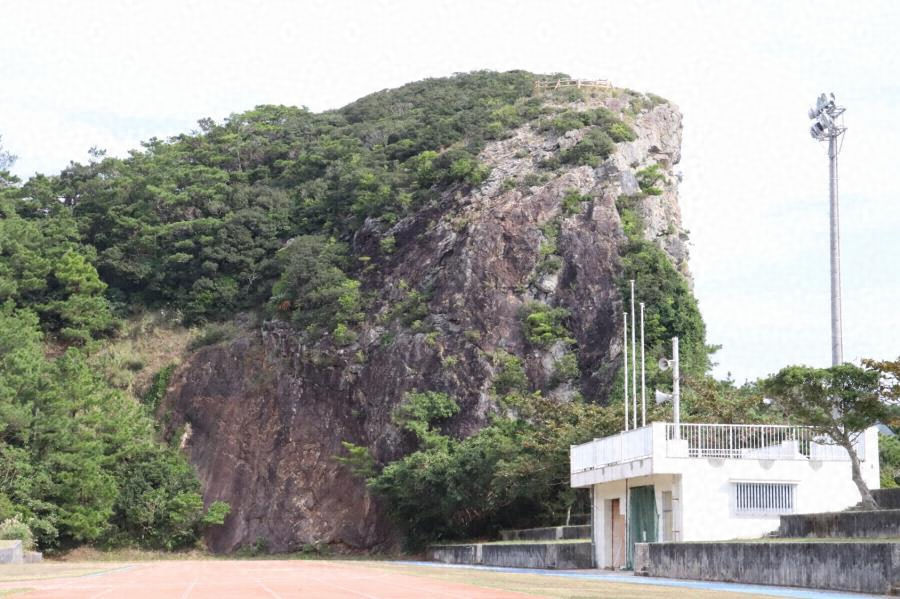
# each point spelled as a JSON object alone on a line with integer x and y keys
{"x": 825, "y": 126}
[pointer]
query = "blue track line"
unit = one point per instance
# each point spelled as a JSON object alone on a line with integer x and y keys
{"x": 731, "y": 587}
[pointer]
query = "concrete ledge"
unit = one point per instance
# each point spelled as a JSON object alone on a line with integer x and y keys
{"x": 11, "y": 552}
{"x": 455, "y": 554}
{"x": 32, "y": 557}
{"x": 887, "y": 499}
{"x": 859, "y": 567}
{"x": 558, "y": 555}
{"x": 550, "y": 533}
{"x": 869, "y": 524}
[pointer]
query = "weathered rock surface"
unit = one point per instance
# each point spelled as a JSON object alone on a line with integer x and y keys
{"x": 266, "y": 413}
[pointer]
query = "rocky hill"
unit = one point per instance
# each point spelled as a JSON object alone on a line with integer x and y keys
{"x": 526, "y": 262}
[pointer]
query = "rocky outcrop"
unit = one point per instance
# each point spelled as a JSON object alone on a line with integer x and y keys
{"x": 266, "y": 412}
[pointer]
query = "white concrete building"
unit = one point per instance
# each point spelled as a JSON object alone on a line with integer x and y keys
{"x": 710, "y": 482}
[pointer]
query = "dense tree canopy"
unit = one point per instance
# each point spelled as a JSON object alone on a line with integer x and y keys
{"x": 79, "y": 460}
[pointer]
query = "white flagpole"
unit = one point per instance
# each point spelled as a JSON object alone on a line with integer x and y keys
{"x": 643, "y": 377}
{"x": 633, "y": 361}
{"x": 676, "y": 388}
{"x": 625, "y": 352}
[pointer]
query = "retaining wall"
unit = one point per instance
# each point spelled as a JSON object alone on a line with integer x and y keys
{"x": 550, "y": 533}
{"x": 870, "y": 524}
{"x": 455, "y": 554}
{"x": 859, "y": 567}
{"x": 566, "y": 555}
{"x": 11, "y": 552}
{"x": 887, "y": 499}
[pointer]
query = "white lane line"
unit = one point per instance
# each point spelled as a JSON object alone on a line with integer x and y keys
{"x": 189, "y": 590}
{"x": 267, "y": 589}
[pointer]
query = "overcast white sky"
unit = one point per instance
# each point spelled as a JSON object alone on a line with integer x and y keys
{"x": 79, "y": 74}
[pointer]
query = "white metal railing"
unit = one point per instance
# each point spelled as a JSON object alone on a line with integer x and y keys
{"x": 751, "y": 441}
{"x": 624, "y": 447}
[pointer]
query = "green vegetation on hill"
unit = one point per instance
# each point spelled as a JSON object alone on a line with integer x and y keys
{"x": 670, "y": 307}
{"x": 80, "y": 460}
{"x": 195, "y": 222}
{"x": 512, "y": 473}
{"x": 259, "y": 212}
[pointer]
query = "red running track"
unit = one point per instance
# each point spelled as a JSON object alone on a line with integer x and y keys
{"x": 221, "y": 579}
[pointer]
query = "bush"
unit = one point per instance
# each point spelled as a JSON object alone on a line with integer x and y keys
{"x": 158, "y": 386}
{"x": 14, "y": 529}
{"x": 595, "y": 146}
{"x": 571, "y": 202}
{"x": 212, "y": 334}
{"x": 510, "y": 377}
{"x": 565, "y": 369}
{"x": 544, "y": 325}
{"x": 648, "y": 178}
{"x": 343, "y": 335}
{"x": 889, "y": 455}
{"x": 514, "y": 473}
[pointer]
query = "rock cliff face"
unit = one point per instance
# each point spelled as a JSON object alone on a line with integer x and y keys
{"x": 264, "y": 414}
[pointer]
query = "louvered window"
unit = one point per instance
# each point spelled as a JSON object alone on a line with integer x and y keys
{"x": 764, "y": 498}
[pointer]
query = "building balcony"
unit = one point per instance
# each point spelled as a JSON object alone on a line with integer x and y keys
{"x": 662, "y": 447}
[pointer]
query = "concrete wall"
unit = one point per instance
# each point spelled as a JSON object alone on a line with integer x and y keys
{"x": 550, "y": 533}
{"x": 455, "y": 554}
{"x": 887, "y": 499}
{"x": 565, "y": 556}
{"x": 11, "y": 552}
{"x": 879, "y": 523}
{"x": 571, "y": 555}
{"x": 859, "y": 567}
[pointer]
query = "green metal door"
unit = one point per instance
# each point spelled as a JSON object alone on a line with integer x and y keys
{"x": 642, "y": 520}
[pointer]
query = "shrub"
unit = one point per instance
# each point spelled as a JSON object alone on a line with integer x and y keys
{"x": 212, "y": 334}
{"x": 15, "y": 529}
{"x": 595, "y": 146}
{"x": 387, "y": 244}
{"x": 544, "y": 325}
{"x": 571, "y": 202}
{"x": 632, "y": 223}
{"x": 621, "y": 132}
{"x": 510, "y": 376}
{"x": 889, "y": 455}
{"x": 565, "y": 369}
{"x": 343, "y": 335}
{"x": 157, "y": 391}
{"x": 648, "y": 178}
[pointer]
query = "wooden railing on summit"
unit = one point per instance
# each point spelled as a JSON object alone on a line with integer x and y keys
{"x": 604, "y": 83}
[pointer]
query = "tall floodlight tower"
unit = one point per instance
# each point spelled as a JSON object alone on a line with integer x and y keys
{"x": 826, "y": 128}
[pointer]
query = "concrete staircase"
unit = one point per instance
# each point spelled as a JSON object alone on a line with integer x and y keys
{"x": 553, "y": 547}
